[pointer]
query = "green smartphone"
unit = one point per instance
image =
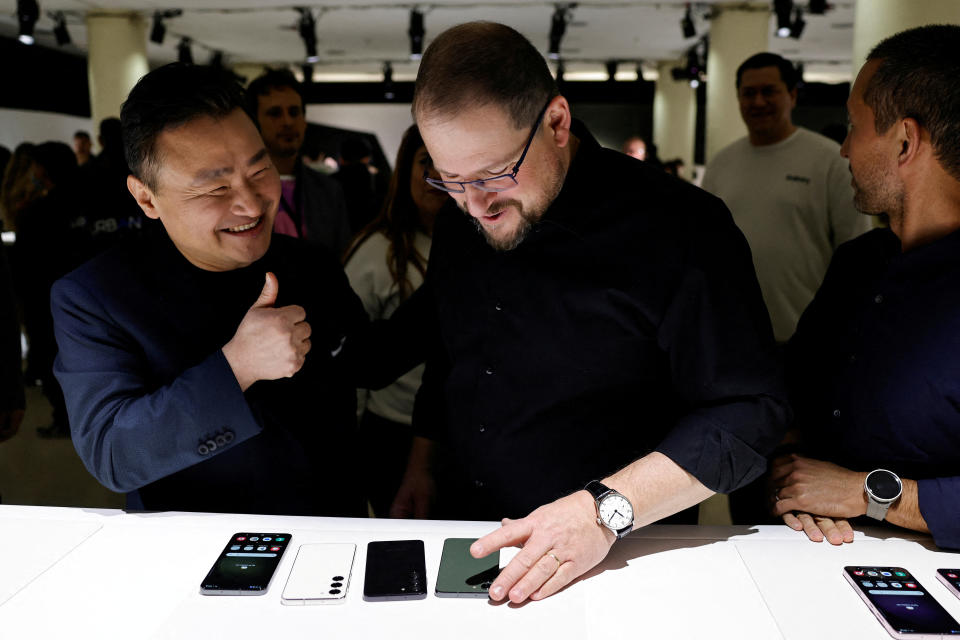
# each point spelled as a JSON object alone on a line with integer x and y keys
{"x": 463, "y": 576}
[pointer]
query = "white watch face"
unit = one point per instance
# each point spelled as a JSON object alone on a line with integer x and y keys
{"x": 616, "y": 512}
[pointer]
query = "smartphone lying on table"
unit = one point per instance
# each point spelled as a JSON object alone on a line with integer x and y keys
{"x": 320, "y": 574}
{"x": 463, "y": 576}
{"x": 950, "y": 579}
{"x": 246, "y": 565}
{"x": 902, "y": 605}
{"x": 396, "y": 570}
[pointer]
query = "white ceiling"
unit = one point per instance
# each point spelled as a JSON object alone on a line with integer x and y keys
{"x": 355, "y": 37}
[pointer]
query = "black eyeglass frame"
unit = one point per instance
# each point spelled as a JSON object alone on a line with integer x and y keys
{"x": 450, "y": 185}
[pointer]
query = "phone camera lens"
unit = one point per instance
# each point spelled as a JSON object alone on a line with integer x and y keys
{"x": 336, "y": 584}
{"x": 338, "y": 578}
{"x": 334, "y": 592}
{"x": 485, "y": 585}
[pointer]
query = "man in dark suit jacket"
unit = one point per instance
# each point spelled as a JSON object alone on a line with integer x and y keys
{"x": 200, "y": 363}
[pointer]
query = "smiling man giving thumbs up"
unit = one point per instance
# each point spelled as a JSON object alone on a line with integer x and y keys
{"x": 199, "y": 363}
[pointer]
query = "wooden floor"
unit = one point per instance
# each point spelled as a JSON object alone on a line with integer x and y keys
{"x": 47, "y": 472}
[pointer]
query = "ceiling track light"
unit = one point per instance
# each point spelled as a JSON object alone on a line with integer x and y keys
{"x": 308, "y": 32}
{"x": 784, "y": 11}
{"x": 28, "y": 12}
{"x": 388, "y": 92}
{"x": 817, "y": 7}
{"x": 611, "y": 67}
{"x": 158, "y": 30}
{"x": 561, "y": 70}
{"x": 60, "y": 28}
{"x": 558, "y": 27}
{"x": 184, "y": 54}
{"x": 689, "y": 30}
{"x": 798, "y": 24}
{"x": 693, "y": 71}
{"x": 416, "y": 33}
{"x": 307, "y": 70}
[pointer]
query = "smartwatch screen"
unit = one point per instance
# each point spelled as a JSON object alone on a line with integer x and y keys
{"x": 883, "y": 485}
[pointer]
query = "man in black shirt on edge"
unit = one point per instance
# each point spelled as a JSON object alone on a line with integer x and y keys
{"x": 605, "y": 324}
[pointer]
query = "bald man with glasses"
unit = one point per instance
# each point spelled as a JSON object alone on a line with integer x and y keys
{"x": 605, "y": 359}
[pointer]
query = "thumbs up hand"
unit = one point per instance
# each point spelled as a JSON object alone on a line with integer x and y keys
{"x": 270, "y": 342}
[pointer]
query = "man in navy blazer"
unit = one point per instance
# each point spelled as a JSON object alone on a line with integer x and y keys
{"x": 200, "y": 363}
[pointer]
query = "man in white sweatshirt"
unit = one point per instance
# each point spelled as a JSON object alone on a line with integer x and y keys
{"x": 788, "y": 189}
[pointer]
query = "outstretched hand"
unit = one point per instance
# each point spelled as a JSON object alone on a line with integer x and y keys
{"x": 560, "y": 541}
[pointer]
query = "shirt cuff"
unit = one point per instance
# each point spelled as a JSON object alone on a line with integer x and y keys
{"x": 939, "y": 499}
{"x": 721, "y": 461}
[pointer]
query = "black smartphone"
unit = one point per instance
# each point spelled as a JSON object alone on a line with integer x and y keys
{"x": 951, "y": 580}
{"x": 246, "y": 565}
{"x": 463, "y": 576}
{"x": 901, "y": 604}
{"x": 396, "y": 570}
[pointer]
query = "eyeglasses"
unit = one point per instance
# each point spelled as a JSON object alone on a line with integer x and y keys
{"x": 496, "y": 183}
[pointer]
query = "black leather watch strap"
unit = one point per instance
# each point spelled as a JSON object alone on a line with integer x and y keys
{"x": 597, "y": 489}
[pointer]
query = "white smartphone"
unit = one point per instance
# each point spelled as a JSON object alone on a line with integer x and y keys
{"x": 951, "y": 580}
{"x": 320, "y": 574}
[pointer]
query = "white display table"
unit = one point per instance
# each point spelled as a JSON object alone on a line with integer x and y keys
{"x": 79, "y": 573}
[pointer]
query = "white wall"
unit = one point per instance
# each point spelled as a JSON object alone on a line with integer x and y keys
{"x": 387, "y": 121}
{"x": 17, "y": 125}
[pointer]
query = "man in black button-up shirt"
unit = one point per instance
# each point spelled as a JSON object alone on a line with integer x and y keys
{"x": 874, "y": 368}
{"x": 604, "y": 324}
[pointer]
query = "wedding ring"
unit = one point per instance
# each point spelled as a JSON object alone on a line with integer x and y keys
{"x": 555, "y": 558}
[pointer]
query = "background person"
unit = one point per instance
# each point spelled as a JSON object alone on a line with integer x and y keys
{"x": 82, "y": 147}
{"x": 12, "y": 401}
{"x": 48, "y": 245}
{"x": 357, "y": 179}
{"x": 386, "y": 264}
{"x": 312, "y": 206}
{"x": 787, "y": 188}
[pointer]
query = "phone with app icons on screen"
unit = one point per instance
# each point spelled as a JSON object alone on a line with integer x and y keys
{"x": 951, "y": 580}
{"x": 246, "y": 565}
{"x": 901, "y": 604}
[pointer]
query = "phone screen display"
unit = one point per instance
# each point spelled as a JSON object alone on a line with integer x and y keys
{"x": 396, "y": 570}
{"x": 951, "y": 578}
{"x": 903, "y": 602}
{"x": 463, "y": 576}
{"x": 246, "y": 564}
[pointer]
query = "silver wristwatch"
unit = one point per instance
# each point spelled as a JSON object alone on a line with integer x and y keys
{"x": 614, "y": 511}
{"x": 883, "y": 488}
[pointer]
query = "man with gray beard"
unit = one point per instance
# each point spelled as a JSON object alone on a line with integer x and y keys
{"x": 605, "y": 359}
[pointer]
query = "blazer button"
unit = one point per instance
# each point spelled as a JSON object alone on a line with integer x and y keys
{"x": 211, "y": 445}
{"x": 203, "y": 450}
{"x": 221, "y": 440}
{"x": 228, "y": 436}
